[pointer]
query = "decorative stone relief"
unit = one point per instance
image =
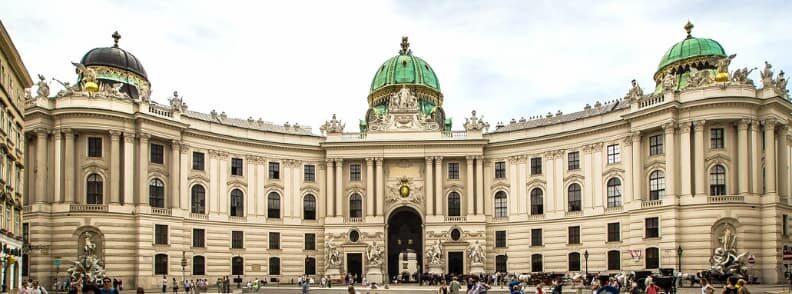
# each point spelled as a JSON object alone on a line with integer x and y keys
{"x": 405, "y": 191}
{"x": 332, "y": 126}
{"x": 404, "y": 114}
{"x": 474, "y": 123}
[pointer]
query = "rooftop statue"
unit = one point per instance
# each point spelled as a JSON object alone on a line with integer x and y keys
{"x": 781, "y": 83}
{"x": 635, "y": 92}
{"x": 43, "y": 88}
{"x": 669, "y": 82}
{"x": 87, "y": 77}
{"x": 767, "y": 75}
{"x": 474, "y": 123}
{"x": 332, "y": 126}
{"x": 740, "y": 76}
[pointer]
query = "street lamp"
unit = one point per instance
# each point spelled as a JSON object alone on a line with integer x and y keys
{"x": 679, "y": 258}
{"x": 585, "y": 256}
{"x": 183, "y": 264}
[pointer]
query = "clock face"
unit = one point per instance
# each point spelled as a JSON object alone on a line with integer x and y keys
{"x": 404, "y": 191}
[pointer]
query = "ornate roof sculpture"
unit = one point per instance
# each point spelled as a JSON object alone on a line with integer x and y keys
{"x": 692, "y": 62}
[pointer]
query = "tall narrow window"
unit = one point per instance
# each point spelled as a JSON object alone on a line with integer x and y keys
{"x": 500, "y": 263}
{"x": 500, "y": 169}
{"x": 274, "y": 266}
{"x": 614, "y": 192}
{"x": 198, "y": 161}
{"x": 716, "y": 138}
{"x": 310, "y": 266}
{"x": 500, "y": 204}
{"x": 453, "y": 170}
{"x": 237, "y": 203}
{"x": 309, "y": 207}
{"x": 310, "y": 241}
{"x": 500, "y": 239}
{"x": 157, "y": 153}
{"x": 614, "y": 232}
{"x": 355, "y": 205}
{"x": 274, "y": 170}
{"x": 652, "y": 258}
{"x": 717, "y": 180}
{"x": 199, "y": 238}
{"x": 237, "y": 166}
{"x": 656, "y": 145}
{"x": 309, "y": 173}
{"x": 574, "y": 235}
{"x": 199, "y": 265}
{"x": 573, "y": 193}
{"x": 537, "y": 201}
{"x": 161, "y": 264}
{"x": 536, "y": 237}
{"x": 614, "y": 153}
{"x": 274, "y": 240}
{"x": 273, "y": 205}
{"x": 573, "y": 160}
{"x": 237, "y": 265}
{"x": 574, "y": 261}
{"x": 94, "y": 147}
{"x": 614, "y": 260}
{"x": 157, "y": 193}
{"x": 354, "y": 172}
{"x": 536, "y": 263}
{"x": 536, "y": 166}
{"x": 454, "y": 204}
{"x": 198, "y": 199}
{"x": 161, "y": 234}
{"x": 94, "y": 189}
{"x": 656, "y": 185}
{"x": 237, "y": 239}
{"x": 652, "y": 227}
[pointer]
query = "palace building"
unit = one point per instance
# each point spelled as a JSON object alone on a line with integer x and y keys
{"x": 658, "y": 179}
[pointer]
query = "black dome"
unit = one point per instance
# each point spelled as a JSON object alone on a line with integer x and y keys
{"x": 114, "y": 57}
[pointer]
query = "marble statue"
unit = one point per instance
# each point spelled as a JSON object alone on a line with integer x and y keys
{"x": 722, "y": 63}
{"x": 67, "y": 88}
{"x": 88, "y": 267}
{"x": 177, "y": 103}
{"x": 89, "y": 245}
{"x": 474, "y": 123}
{"x": 669, "y": 82}
{"x": 435, "y": 253}
{"x": 332, "y": 126}
{"x": 476, "y": 253}
{"x": 43, "y": 88}
{"x": 767, "y": 75}
{"x": 635, "y": 92}
{"x": 333, "y": 256}
{"x": 143, "y": 91}
{"x": 87, "y": 75}
{"x": 740, "y": 76}
{"x": 374, "y": 254}
{"x": 699, "y": 78}
{"x": 725, "y": 259}
{"x": 781, "y": 82}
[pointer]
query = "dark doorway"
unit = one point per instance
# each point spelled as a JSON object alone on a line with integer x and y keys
{"x": 404, "y": 235}
{"x": 456, "y": 262}
{"x": 355, "y": 266}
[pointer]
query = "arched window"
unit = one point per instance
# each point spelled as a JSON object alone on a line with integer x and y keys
{"x": 454, "y": 205}
{"x": 614, "y": 260}
{"x": 273, "y": 205}
{"x": 536, "y": 263}
{"x": 355, "y": 205}
{"x": 500, "y": 204}
{"x": 157, "y": 193}
{"x": 198, "y": 197}
{"x": 199, "y": 265}
{"x": 94, "y": 189}
{"x": 656, "y": 185}
{"x": 237, "y": 265}
{"x": 237, "y": 203}
{"x": 574, "y": 262}
{"x": 573, "y": 194}
{"x": 274, "y": 266}
{"x": 309, "y": 207}
{"x": 652, "y": 258}
{"x": 717, "y": 180}
{"x": 161, "y": 264}
{"x": 537, "y": 201}
{"x": 614, "y": 192}
{"x": 310, "y": 266}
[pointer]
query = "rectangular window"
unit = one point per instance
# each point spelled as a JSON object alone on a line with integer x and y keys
{"x": 614, "y": 153}
{"x": 94, "y": 147}
{"x": 310, "y": 266}
{"x": 274, "y": 240}
{"x": 26, "y": 233}
{"x": 716, "y": 138}
{"x": 614, "y": 232}
{"x": 274, "y": 170}
{"x": 652, "y": 227}
{"x": 536, "y": 166}
{"x": 354, "y": 172}
{"x": 785, "y": 228}
{"x": 614, "y": 260}
{"x": 500, "y": 239}
{"x": 656, "y": 145}
{"x": 500, "y": 263}
{"x": 652, "y": 258}
{"x": 453, "y": 171}
{"x": 157, "y": 153}
{"x": 500, "y": 170}
{"x": 536, "y": 237}
{"x": 198, "y": 161}
{"x": 310, "y": 241}
{"x": 199, "y": 238}
{"x": 237, "y": 239}
{"x": 161, "y": 234}
{"x": 573, "y": 160}
{"x": 574, "y": 235}
{"x": 309, "y": 173}
{"x": 236, "y": 166}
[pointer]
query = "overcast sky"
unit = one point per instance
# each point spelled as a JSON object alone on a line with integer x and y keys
{"x": 302, "y": 61}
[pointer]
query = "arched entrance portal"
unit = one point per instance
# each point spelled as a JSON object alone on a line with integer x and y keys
{"x": 405, "y": 235}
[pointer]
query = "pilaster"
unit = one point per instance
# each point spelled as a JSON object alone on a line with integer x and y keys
{"x": 670, "y": 157}
{"x": 685, "y": 157}
{"x": 56, "y": 183}
{"x": 330, "y": 193}
{"x": 143, "y": 146}
{"x": 480, "y": 203}
{"x": 742, "y": 156}
{"x": 41, "y": 164}
{"x": 68, "y": 162}
{"x": 770, "y": 156}
{"x": 379, "y": 161}
{"x": 438, "y": 185}
{"x": 115, "y": 167}
{"x": 428, "y": 178}
{"x": 637, "y": 166}
{"x": 698, "y": 166}
{"x": 469, "y": 189}
{"x": 339, "y": 171}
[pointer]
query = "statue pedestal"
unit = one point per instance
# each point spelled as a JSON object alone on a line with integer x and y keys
{"x": 436, "y": 268}
{"x": 334, "y": 272}
{"x": 476, "y": 268}
{"x": 374, "y": 275}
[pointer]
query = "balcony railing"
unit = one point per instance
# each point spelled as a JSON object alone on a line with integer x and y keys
{"x": 651, "y": 100}
{"x": 652, "y": 203}
{"x": 455, "y": 134}
{"x": 160, "y": 110}
{"x": 354, "y": 220}
{"x": 237, "y": 219}
{"x": 455, "y": 219}
{"x": 201, "y": 216}
{"x": 161, "y": 211}
{"x": 500, "y": 219}
{"x": 573, "y": 213}
{"x": 614, "y": 209}
{"x": 725, "y": 199}
{"x": 88, "y": 208}
{"x": 536, "y": 217}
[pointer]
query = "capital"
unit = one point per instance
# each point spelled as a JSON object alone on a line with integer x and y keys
{"x": 41, "y": 132}
{"x": 685, "y": 127}
{"x": 176, "y": 143}
{"x": 628, "y": 140}
{"x": 743, "y": 124}
{"x": 114, "y": 134}
{"x": 143, "y": 136}
{"x": 470, "y": 157}
{"x": 329, "y": 161}
{"x": 770, "y": 124}
{"x": 438, "y": 158}
{"x": 668, "y": 127}
{"x": 369, "y": 161}
{"x": 339, "y": 161}
{"x": 429, "y": 159}
{"x": 636, "y": 136}
{"x": 699, "y": 125}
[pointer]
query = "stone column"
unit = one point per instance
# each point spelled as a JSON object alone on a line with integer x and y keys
{"x": 670, "y": 155}
{"x": 770, "y": 156}
{"x": 41, "y": 165}
{"x": 685, "y": 159}
{"x": 742, "y": 156}
{"x": 339, "y": 192}
{"x": 471, "y": 196}
{"x": 698, "y": 165}
{"x": 514, "y": 184}
{"x": 143, "y": 160}
{"x": 756, "y": 158}
{"x": 68, "y": 162}
{"x": 782, "y": 154}
{"x": 438, "y": 193}
{"x": 56, "y": 184}
{"x": 628, "y": 169}
{"x": 428, "y": 188}
{"x": 115, "y": 167}
{"x": 380, "y": 183}
{"x": 480, "y": 185}
{"x": 252, "y": 188}
{"x": 637, "y": 166}
{"x": 329, "y": 193}
{"x": 297, "y": 180}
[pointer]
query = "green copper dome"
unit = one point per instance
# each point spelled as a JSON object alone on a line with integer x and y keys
{"x": 405, "y": 69}
{"x": 691, "y": 47}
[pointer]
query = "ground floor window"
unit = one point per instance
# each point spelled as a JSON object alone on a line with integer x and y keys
{"x": 274, "y": 266}
{"x": 310, "y": 266}
{"x": 161, "y": 264}
{"x": 237, "y": 265}
{"x": 500, "y": 263}
{"x": 199, "y": 265}
{"x": 536, "y": 263}
{"x": 652, "y": 258}
{"x": 574, "y": 262}
{"x": 614, "y": 260}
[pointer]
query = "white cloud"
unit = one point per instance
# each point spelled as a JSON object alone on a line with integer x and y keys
{"x": 301, "y": 61}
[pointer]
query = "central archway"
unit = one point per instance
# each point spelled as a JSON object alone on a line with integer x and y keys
{"x": 405, "y": 235}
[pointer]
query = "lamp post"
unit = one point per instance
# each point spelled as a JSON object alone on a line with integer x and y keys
{"x": 586, "y": 256}
{"x": 679, "y": 258}
{"x": 57, "y": 263}
{"x": 183, "y": 264}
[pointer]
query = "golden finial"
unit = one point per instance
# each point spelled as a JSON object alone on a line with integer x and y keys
{"x": 688, "y": 28}
{"x": 405, "y": 46}
{"x": 116, "y": 36}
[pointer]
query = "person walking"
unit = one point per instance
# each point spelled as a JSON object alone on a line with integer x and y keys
{"x": 164, "y": 284}
{"x": 741, "y": 288}
{"x": 729, "y": 287}
{"x": 306, "y": 287}
{"x": 443, "y": 289}
{"x": 175, "y": 286}
{"x": 108, "y": 287}
{"x": 706, "y": 288}
{"x": 454, "y": 286}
